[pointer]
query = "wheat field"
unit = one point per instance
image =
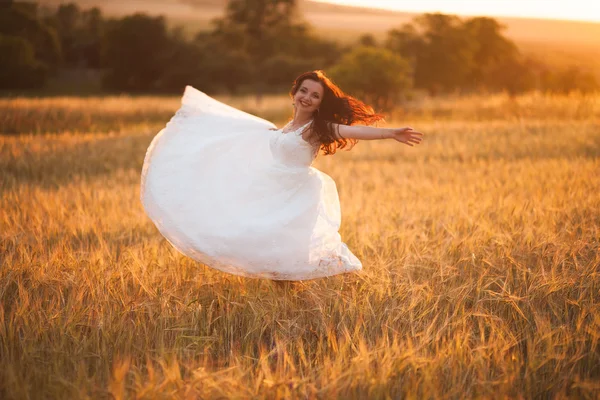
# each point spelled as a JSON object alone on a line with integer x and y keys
{"x": 480, "y": 250}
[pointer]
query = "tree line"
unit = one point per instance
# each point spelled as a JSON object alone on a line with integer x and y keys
{"x": 261, "y": 45}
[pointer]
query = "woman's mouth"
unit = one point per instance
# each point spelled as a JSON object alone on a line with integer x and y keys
{"x": 304, "y": 103}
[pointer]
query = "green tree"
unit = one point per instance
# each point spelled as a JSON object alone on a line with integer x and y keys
{"x": 29, "y": 49}
{"x": 67, "y": 23}
{"x": 445, "y": 59}
{"x": 255, "y": 24}
{"x": 281, "y": 69}
{"x": 80, "y": 33}
{"x": 21, "y": 20}
{"x": 221, "y": 67}
{"x": 19, "y": 69}
{"x": 512, "y": 74}
{"x": 448, "y": 54}
{"x": 492, "y": 54}
{"x": 137, "y": 51}
{"x": 300, "y": 41}
{"x": 406, "y": 41}
{"x": 91, "y": 38}
{"x": 269, "y": 33}
{"x": 182, "y": 65}
{"x": 375, "y": 75}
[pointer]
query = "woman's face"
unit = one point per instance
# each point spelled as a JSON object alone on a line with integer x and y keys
{"x": 309, "y": 96}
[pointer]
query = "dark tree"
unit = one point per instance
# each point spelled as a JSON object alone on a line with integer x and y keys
{"x": 21, "y": 20}
{"x": 29, "y": 49}
{"x": 367, "y": 40}
{"x": 19, "y": 68}
{"x": 492, "y": 53}
{"x": 137, "y": 52}
{"x": 446, "y": 58}
{"x": 269, "y": 34}
{"x": 448, "y": 54}
{"x": 375, "y": 75}
{"x": 406, "y": 41}
{"x": 91, "y": 38}
{"x": 80, "y": 33}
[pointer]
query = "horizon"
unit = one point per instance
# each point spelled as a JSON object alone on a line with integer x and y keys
{"x": 578, "y": 10}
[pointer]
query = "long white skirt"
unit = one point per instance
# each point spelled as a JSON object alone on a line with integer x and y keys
{"x": 226, "y": 190}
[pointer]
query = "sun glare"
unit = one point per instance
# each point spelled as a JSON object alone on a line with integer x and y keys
{"x": 578, "y": 10}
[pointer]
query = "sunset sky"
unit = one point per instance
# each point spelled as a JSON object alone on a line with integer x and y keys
{"x": 580, "y": 10}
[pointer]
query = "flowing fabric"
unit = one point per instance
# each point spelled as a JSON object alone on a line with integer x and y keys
{"x": 227, "y": 190}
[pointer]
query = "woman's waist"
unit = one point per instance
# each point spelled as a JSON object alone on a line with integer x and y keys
{"x": 288, "y": 165}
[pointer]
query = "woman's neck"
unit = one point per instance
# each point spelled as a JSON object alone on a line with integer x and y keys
{"x": 301, "y": 118}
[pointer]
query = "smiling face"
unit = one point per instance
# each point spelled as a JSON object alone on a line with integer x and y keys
{"x": 309, "y": 95}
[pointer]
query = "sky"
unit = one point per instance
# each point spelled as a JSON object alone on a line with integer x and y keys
{"x": 578, "y": 10}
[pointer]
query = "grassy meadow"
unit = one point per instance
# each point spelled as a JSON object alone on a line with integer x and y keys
{"x": 481, "y": 254}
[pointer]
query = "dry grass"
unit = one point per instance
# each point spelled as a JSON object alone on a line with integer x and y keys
{"x": 20, "y": 115}
{"x": 480, "y": 250}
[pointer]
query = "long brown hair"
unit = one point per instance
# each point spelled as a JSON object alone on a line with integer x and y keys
{"x": 336, "y": 107}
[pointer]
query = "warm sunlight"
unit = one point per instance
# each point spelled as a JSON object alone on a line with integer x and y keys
{"x": 206, "y": 199}
{"x": 579, "y": 10}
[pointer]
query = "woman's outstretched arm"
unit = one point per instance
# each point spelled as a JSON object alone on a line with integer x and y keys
{"x": 404, "y": 135}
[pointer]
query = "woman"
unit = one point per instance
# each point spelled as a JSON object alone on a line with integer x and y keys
{"x": 230, "y": 190}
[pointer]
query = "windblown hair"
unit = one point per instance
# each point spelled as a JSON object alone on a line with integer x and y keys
{"x": 336, "y": 107}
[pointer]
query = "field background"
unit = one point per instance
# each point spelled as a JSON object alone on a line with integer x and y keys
{"x": 481, "y": 253}
{"x": 558, "y": 43}
{"x": 480, "y": 246}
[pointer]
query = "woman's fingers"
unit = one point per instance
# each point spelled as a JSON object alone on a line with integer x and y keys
{"x": 416, "y": 136}
{"x": 409, "y": 136}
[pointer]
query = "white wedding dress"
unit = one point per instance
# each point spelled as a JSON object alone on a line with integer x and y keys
{"x": 226, "y": 190}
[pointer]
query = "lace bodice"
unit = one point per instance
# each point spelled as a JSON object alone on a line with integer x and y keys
{"x": 290, "y": 148}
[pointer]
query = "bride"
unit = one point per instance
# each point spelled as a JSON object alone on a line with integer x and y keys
{"x": 232, "y": 191}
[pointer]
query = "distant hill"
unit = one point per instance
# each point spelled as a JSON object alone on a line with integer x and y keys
{"x": 557, "y": 42}
{"x": 347, "y": 18}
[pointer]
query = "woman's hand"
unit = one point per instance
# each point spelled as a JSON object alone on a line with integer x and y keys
{"x": 406, "y": 135}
